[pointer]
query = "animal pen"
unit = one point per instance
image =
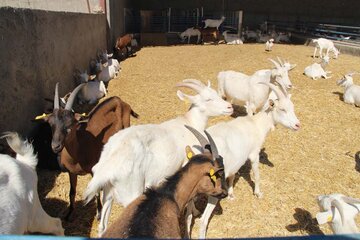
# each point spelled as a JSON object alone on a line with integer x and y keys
{"x": 44, "y": 47}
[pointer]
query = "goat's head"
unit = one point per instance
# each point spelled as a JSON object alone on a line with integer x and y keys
{"x": 213, "y": 182}
{"x": 346, "y": 80}
{"x": 207, "y": 99}
{"x": 103, "y": 56}
{"x": 281, "y": 74}
{"x": 288, "y": 65}
{"x": 282, "y": 109}
{"x": 336, "y": 52}
{"x": 61, "y": 120}
{"x": 339, "y": 210}
{"x": 82, "y": 77}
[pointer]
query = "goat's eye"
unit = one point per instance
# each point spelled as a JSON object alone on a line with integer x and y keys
{"x": 208, "y": 100}
{"x": 283, "y": 110}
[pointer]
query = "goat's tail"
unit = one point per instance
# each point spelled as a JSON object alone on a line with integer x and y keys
{"x": 95, "y": 185}
{"x": 24, "y": 150}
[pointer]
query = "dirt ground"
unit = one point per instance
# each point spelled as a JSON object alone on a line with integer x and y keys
{"x": 321, "y": 158}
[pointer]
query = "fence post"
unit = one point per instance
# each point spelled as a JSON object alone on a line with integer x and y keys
{"x": 169, "y": 19}
{"x": 240, "y": 23}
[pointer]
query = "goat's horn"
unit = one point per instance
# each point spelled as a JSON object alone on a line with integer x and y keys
{"x": 281, "y": 63}
{"x": 190, "y": 85}
{"x": 72, "y": 96}
{"x": 351, "y": 200}
{"x": 194, "y": 81}
{"x": 339, "y": 206}
{"x": 202, "y": 140}
{"x": 278, "y": 93}
{"x": 213, "y": 147}
{"x": 56, "y": 98}
{"x": 277, "y": 65}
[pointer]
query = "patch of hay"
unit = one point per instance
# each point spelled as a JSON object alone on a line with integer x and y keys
{"x": 298, "y": 166}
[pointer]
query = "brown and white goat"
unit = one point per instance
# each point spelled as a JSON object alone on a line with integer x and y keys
{"x": 157, "y": 212}
{"x": 81, "y": 142}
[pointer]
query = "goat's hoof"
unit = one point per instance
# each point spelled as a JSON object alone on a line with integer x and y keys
{"x": 259, "y": 195}
{"x": 231, "y": 196}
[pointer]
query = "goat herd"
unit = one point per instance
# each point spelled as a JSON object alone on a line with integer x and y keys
{"x": 157, "y": 171}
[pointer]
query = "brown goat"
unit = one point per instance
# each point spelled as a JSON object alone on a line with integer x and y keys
{"x": 124, "y": 41}
{"x": 81, "y": 142}
{"x": 210, "y": 35}
{"x": 158, "y": 212}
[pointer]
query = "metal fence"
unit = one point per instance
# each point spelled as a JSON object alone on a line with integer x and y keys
{"x": 175, "y": 20}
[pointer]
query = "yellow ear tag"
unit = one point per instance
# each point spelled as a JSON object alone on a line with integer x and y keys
{"x": 212, "y": 176}
{"x": 329, "y": 218}
{"x": 40, "y": 116}
{"x": 189, "y": 152}
{"x": 83, "y": 114}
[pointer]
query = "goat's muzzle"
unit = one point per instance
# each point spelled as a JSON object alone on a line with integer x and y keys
{"x": 56, "y": 147}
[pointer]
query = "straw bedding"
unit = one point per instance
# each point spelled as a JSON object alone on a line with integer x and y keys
{"x": 321, "y": 158}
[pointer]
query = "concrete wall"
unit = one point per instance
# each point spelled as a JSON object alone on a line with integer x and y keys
{"x": 84, "y": 6}
{"x": 37, "y": 49}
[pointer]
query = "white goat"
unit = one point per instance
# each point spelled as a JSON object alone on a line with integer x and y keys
{"x": 107, "y": 60}
{"x": 92, "y": 91}
{"x": 107, "y": 73}
{"x": 190, "y": 32}
{"x": 232, "y": 39}
{"x": 239, "y": 87}
{"x": 242, "y": 138}
{"x": 283, "y": 37}
{"x": 269, "y": 44}
{"x": 20, "y": 208}
{"x": 340, "y": 212}
{"x": 214, "y": 22}
{"x": 144, "y": 155}
{"x": 323, "y": 43}
{"x": 351, "y": 91}
{"x": 317, "y": 70}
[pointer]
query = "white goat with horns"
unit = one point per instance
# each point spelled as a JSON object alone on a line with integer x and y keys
{"x": 244, "y": 90}
{"x": 241, "y": 139}
{"x": 340, "y": 212}
{"x": 143, "y": 156}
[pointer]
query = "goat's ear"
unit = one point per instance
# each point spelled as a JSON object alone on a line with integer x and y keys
{"x": 324, "y": 217}
{"x": 189, "y": 152}
{"x": 80, "y": 116}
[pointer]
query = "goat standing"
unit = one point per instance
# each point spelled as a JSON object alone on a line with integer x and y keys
{"x": 143, "y": 156}
{"x": 81, "y": 143}
{"x": 157, "y": 212}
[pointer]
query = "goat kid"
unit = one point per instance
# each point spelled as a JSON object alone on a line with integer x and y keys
{"x": 242, "y": 138}
{"x": 146, "y": 154}
{"x": 269, "y": 44}
{"x": 215, "y": 23}
{"x": 20, "y": 208}
{"x": 157, "y": 213}
{"x": 340, "y": 212}
{"x": 81, "y": 142}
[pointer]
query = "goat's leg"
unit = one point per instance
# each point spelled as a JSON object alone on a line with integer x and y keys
{"x": 254, "y": 159}
{"x": 106, "y": 210}
{"x": 98, "y": 205}
{"x": 73, "y": 183}
{"x": 42, "y": 222}
{"x": 204, "y": 220}
{"x": 190, "y": 212}
{"x": 315, "y": 52}
{"x": 231, "y": 195}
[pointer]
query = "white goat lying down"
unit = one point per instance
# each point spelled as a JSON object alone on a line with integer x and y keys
{"x": 340, "y": 212}
{"x": 317, "y": 70}
{"x": 244, "y": 90}
{"x": 232, "y": 39}
{"x": 20, "y": 208}
{"x": 92, "y": 91}
{"x": 188, "y": 33}
{"x": 242, "y": 138}
{"x": 351, "y": 91}
{"x": 144, "y": 155}
{"x": 323, "y": 43}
